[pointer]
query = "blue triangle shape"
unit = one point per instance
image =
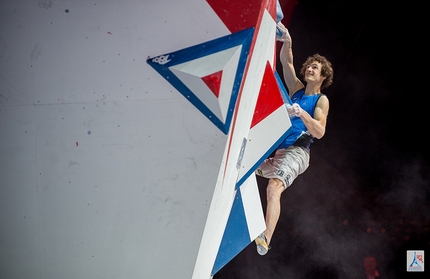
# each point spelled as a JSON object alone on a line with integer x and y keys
{"x": 162, "y": 63}
{"x": 236, "y": 235}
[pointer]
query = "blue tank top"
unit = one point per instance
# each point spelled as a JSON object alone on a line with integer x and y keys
{"x": 299, "y": 135}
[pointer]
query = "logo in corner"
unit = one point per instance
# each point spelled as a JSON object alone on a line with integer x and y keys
{"x": 415, "y": 261}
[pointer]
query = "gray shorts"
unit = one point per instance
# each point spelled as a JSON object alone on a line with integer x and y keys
{"x": 285, "y": 165}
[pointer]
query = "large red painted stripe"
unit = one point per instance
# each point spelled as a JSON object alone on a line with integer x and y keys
{"x": 240, "y": 15}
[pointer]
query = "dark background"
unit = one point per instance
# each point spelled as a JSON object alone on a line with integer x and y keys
{"x": 367, "y": 190}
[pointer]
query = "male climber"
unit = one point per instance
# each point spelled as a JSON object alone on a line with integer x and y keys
{"x": 308, "y": 115}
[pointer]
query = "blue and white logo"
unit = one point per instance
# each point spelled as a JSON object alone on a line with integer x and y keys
{"x": 414, "y": 261}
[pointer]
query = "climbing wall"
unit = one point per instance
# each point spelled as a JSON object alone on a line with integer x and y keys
{"x": 115, "y": 163}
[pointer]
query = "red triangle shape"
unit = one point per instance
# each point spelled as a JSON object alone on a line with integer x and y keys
{"x": 269, "y": 99}
{"x": 213, "y": 81}
{"x": 249, "y": 12}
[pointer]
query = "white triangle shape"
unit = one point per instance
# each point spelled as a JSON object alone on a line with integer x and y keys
{"x": 191, "y": 72}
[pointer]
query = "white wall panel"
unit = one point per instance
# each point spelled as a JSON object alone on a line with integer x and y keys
{"x": 106, "y": 171}
{"x": 19, "y": 219}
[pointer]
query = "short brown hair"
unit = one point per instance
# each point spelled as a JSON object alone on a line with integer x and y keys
{"x": 326, "y": 71}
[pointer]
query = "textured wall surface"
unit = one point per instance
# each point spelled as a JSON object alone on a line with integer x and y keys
{"x": 105, "y": 170}
{"x": 110, "y": 169}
